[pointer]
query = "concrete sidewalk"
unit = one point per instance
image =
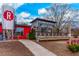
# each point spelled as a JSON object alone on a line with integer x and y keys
{"x": 36, "y": 49}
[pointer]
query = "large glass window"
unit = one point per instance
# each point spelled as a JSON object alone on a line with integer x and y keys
{"x": 19, "y": 31}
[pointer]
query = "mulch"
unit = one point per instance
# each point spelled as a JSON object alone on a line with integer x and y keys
{"x": 14, "y": 48}
{"x": 58, "y": 47}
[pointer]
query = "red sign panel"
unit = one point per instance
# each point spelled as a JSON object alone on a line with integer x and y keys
{"x": 8, "y": 15}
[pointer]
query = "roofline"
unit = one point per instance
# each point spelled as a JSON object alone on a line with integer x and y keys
{"x": 19, "y": 25}
{"x": 42, "y": 20}
{"x": 22, "y": 25}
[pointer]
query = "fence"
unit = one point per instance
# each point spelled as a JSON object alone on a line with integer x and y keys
{"x": 53, "y": 37}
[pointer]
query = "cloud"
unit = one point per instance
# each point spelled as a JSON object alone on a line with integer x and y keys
{"x": 15, "y": 5}
{"x": 0, "y": 20}
{"x": 0, "y": 7}
{"x": 24, "y": 20}
{"x": 20, "y": 17}
{"x": 23, "y": 17}
{"x": 24, "y": 14}
{"x": 42, "y": 11}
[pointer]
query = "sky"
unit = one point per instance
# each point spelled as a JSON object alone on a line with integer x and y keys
{"x": 26, "y": 12}
{"x": 33, "y": 8}
{"x": 37, "y": 9}
{"x": 30, "y": 11}
{"x": 75, "y": 5}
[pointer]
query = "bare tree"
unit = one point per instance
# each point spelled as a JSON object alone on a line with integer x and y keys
{"x": 62, "y": 15}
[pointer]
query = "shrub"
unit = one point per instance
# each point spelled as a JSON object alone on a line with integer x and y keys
{"x": 32, "y": 34}
{"x": 73, "y": 45}
{"x": 73, "y": 48}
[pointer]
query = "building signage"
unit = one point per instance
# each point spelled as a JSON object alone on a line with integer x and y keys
{"x": 8, "y": 17}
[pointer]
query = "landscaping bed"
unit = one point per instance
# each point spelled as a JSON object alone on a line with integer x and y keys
{"x": 14, "y": 48}
{"x": 58, "y": 47}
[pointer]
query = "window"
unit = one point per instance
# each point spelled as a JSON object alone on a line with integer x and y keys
{"x": 19, "y": 31}
{"x": 43, "y": 30}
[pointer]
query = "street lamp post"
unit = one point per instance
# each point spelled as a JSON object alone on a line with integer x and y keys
{"x": 69, "y": 31}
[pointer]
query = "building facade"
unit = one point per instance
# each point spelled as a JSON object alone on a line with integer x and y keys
{"x": 20, "y": 32}
{"x": 43, "y": 27}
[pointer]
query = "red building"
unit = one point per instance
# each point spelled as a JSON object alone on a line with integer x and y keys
{"x": 20, "y": 31}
